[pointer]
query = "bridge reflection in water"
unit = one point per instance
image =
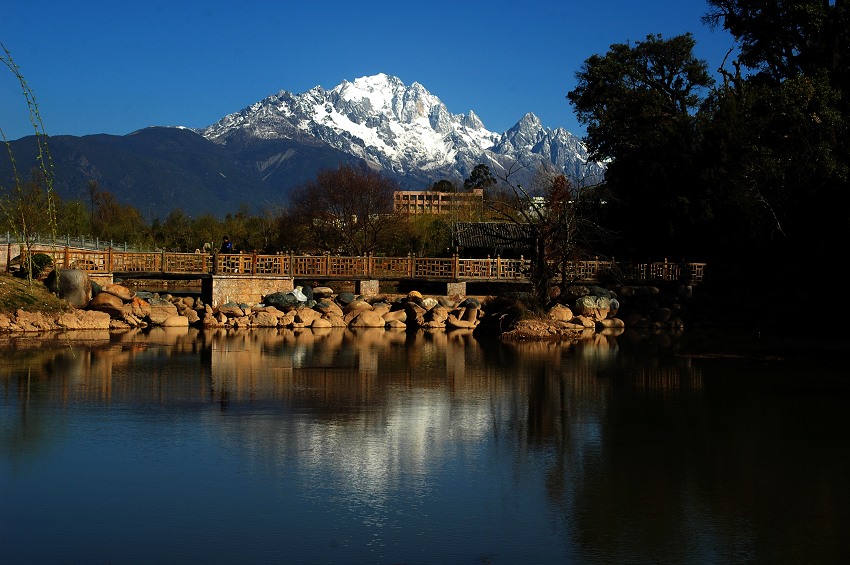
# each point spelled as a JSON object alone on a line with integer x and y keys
{"x": 273, "y": 364}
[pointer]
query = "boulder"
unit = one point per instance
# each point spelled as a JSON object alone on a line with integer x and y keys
{"x": 595, "y": 307}
{"x": 72, "y": 285}
{"x": 436, "y": 314}
{"x": 356, "y": 306}
{"x": 118, "y": 290}
{"x": 308, "y": 293}
{"x": 415, "y": 314}
{"x": 161, "y": 310}
{"x": 320, "y": 292}
{"x": 335, "y": 320}
{"x": 453, "y": 322}
{"x": 231, "y": 310}
{"x": 140, "y": 308}
{"x": 610, "y": 323}
{"x": 320, "y": 323}
{"x": 192, "y": 316}
{"x": 560, "y": 313}
{"x": 470, "y": 314}
{"x": 325, "y": 305}
{"x": 175, "y": 321}
{"x": 32, "y": 321}
{"x": 366, "y": 319}
{"x": 84, "y": 320}
{"x": 264, "y": 319}
{"x": 281, "y": 300}
{"x": 306, "y": 315}
{"x": 395, "y": 316}
{"x": 381, "y": 308}
{"x": 105, "y": 301}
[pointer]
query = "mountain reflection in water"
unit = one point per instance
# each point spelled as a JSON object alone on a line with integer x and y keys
{"x": 374, "y": 445}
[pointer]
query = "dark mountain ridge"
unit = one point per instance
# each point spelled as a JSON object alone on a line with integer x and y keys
{"x": 253, "y": 158}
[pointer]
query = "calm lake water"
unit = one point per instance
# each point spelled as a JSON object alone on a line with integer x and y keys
{"x": 375, "y": 446}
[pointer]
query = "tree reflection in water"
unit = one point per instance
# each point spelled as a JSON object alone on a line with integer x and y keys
{"x": 639, "y": 449}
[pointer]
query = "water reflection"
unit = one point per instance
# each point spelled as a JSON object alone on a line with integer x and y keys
{"x": 614, "y": 448}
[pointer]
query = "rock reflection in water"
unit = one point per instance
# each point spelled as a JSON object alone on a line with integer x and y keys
{"x": 401, "y": 446}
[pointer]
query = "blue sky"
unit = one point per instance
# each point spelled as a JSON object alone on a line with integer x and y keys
{"x": 115, "y": 67}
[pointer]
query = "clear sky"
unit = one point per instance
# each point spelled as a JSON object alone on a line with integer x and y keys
{"x": 119, "y": 66}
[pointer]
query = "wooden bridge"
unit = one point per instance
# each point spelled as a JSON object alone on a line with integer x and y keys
{"x": 126, "y": 264}
{"x": 252, "y": 275}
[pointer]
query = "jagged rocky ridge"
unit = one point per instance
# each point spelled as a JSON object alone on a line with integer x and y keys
{"x": 255, "y": 157}
{"x": 407, "y": 131}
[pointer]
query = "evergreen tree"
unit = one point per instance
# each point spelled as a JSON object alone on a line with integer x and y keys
{"x": 639, "y": 104}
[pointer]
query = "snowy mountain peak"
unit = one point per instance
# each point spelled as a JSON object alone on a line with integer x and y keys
{"x": 402, "y": 129}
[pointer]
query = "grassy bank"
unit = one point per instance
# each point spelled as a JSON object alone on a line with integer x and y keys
{"x": 17, "y": 293}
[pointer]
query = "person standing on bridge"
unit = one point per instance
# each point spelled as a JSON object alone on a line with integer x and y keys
{"x": 226, "y": 246}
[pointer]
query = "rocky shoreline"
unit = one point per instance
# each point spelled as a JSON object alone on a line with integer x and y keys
{"x": 572, "y": 313}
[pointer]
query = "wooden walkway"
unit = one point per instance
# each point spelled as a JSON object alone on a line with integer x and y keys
{"x": 126, "y": 264}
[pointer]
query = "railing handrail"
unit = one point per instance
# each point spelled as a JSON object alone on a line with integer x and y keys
{"x": 359, "y": 267}
{"x": 77, "y": 241}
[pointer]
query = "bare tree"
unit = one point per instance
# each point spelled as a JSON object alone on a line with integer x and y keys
{"x": 560, "y": 221}
{"x": 347, "y": 210}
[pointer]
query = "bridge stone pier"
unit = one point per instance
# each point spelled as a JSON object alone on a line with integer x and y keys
{"x": 371, "y": 287}
{"x": 221, "y": 289}
{"x": 456, "y": 290}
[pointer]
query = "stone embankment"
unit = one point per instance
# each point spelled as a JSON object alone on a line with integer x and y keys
{"x": 571, "y": 314}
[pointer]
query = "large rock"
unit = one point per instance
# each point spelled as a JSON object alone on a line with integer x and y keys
{"x": 161, "y": 310}
{"x": 283, "y": 301}
{"x": 72, "y": 285}
{"x": 326, "y": 306}
{"x": 335, "y": 320}
{"x": 367, "y": 319}
{"x": 594, "y": 307}
{"x": 560, "y": 313}
{"x": 320, "y": 323}
{"x": 118, "y": 290}
{"x": 395, "y": 315}
{"x": 109, "y": 303}
{"x": 84, "y": 320}
{"x": 322, "y": 292}
{"x": 175, "y": 321}
{"x": 140, "y": 308}
{"x": 306, "y": 315}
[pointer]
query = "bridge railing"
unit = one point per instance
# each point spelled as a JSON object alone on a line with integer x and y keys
{"x": 341, "y": 267}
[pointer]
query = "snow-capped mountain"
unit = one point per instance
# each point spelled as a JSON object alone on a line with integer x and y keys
{"x": 257, "y": 156}
{"x": 406, "y": 131}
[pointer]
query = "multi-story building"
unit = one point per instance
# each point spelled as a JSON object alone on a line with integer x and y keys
{"x": 413, "y": 202}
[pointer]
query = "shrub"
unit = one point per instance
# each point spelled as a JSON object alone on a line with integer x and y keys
{"x": 40, "y": 262}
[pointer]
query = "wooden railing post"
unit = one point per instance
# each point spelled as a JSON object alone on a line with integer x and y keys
{"x": 367, "y": 265}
